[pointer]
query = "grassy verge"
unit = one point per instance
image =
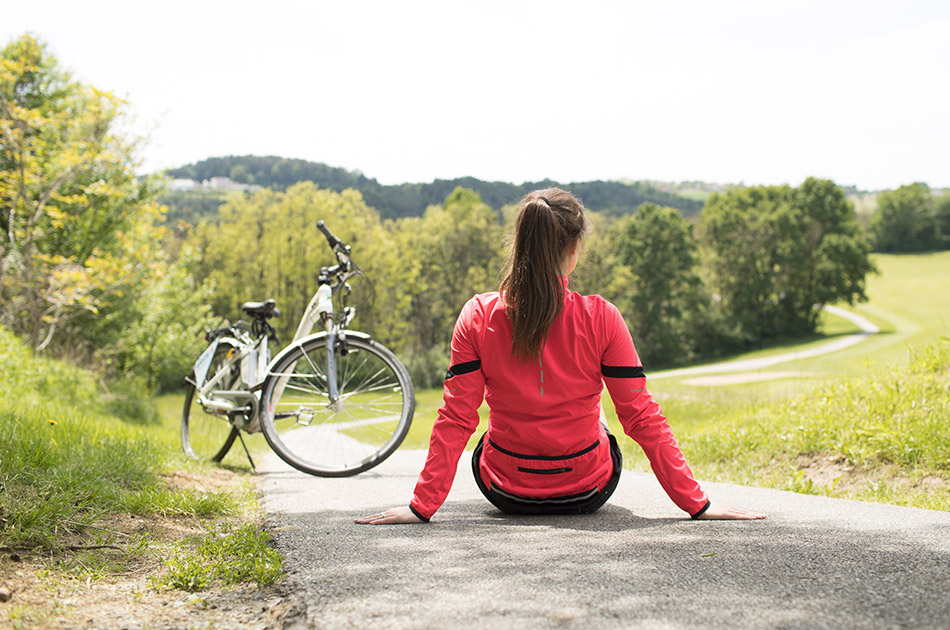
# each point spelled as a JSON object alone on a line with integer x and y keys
{"x": 882, "y": 437}
{"x": 93, "y": 489}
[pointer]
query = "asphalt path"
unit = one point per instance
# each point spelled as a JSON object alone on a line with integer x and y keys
{"x": 637, "y": 563}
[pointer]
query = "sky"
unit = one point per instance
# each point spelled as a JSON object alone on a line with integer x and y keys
{"x": 732, "y": 92}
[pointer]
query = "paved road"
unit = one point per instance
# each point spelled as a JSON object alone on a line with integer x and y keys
{"x": 638, "y": 563}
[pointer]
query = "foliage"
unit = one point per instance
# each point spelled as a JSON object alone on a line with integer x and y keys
{"x": 657, "y": 246}
{"x": 78, "y": 226}
{"x": 406, "y": 200}
{"x": 418, "y": 271}
{"x": 776, "y": 254}
{"x": 459, "y": 250}
{"x": 942, "y": 217}
{"x": 907, "y": 220}
{"x": 267, "y": 246}
{"x": 161, "y": 330}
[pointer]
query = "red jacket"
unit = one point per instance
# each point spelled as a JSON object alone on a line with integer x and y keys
{"x": 544, "y": 436}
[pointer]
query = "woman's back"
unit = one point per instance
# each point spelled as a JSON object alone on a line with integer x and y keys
{"x": 550, "y": 405}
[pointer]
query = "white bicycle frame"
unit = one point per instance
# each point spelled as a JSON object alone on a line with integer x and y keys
{"x": 255, "y": 366}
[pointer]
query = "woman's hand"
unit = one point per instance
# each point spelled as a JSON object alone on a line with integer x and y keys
{"x": 720, "y": 512}
{"x": 392, "y": 516}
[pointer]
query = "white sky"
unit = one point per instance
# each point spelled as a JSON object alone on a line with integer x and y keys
{"x": 758, "y": 91}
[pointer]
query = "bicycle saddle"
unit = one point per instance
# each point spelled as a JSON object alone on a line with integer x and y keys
{"x": 266, "y": 309}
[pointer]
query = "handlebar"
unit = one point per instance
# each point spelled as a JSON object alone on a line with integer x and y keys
{"x": 334, "y": 241}
{"x": 345, "y": 268}
{"x": 341, "y": 249}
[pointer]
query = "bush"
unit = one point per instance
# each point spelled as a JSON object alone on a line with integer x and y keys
{"x": 427, "y": 369}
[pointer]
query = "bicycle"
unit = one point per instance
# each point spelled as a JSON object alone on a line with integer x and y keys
{"x": 332, "y": 404}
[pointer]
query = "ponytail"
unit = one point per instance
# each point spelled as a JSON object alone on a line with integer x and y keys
{"x": 549, "y": 223}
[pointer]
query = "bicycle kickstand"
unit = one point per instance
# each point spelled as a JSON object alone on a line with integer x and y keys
{"x": 247, "y": 452}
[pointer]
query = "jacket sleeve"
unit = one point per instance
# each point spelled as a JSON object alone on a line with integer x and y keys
{"x": 642, "y": 418}
{"x": 463, "y": 392}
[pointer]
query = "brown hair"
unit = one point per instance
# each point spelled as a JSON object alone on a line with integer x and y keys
{"x": 548, "y": 224}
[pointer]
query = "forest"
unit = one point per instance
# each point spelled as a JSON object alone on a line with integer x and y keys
{"x": 403, "y": 200}
{"x": 94, "y": 267}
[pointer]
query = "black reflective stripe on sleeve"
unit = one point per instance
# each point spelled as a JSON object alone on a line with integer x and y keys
{"x": 463, "y": 368}
{"x": 701, "y": 511}
{"x": 622, "y": 371}
{"x": 419, "y": 516}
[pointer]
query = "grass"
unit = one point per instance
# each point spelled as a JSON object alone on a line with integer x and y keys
{"x": 225, "y": 554}
{"x": 885, "y": 436}
{"x": 74, "y": 473}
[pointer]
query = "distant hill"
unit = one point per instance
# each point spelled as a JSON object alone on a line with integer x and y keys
{"x": 402, "y": 200}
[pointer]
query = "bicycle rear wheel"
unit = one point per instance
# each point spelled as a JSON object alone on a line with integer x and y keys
{"x": 356, "y": 432}
{"x": 204, "y": 434}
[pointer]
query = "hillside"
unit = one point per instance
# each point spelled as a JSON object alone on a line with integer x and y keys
{"x": 399, "y": 200}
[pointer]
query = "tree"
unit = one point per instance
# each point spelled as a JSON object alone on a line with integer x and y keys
{"x": 266, "y": 245}
{"x": 942, "y": 216}
{"x": 656, "y": 244}
{"x": 906, "y": 220}
{"x": 161, "y": 330}
{"x": 775, "y": 255}
{"x": 460, "y": 251}
{"x": 78, "y": 227}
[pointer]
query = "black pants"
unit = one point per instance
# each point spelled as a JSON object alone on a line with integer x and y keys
{"x": 585, "y": 503}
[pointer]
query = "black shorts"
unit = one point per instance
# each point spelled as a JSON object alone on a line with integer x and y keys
{"x": 583, "y": 503}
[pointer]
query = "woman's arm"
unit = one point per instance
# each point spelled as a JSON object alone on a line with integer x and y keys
{"x": 645, "y": 423}
{"x": 462, "y": 392}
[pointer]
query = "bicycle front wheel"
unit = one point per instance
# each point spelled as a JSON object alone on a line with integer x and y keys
{"x": 208, "y": 434}
{"x": 360, "y": 429}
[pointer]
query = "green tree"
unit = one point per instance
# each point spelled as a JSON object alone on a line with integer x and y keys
{"x": 775, "y": 255}
{"x": 906, "y": 220}
{"x": 657, "y": 246}
{"x": 78, "y": 227}
{"x": 942, "y": 215}
{"x": 460, "y": 251}
{"x": 266, "y": 245}
{"x": 160, "y": 333}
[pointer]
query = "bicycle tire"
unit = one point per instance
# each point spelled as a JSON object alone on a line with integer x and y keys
{"x": 370, "y": 421}
{"x": 207, "y": 435}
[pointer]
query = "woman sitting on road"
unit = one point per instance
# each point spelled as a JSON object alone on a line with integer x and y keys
{"x": 540, "y": 355}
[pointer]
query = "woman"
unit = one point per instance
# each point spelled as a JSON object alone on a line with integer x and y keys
{"x": 540, "y": 355}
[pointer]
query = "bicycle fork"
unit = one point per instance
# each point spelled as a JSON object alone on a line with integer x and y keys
{"x": 335, "y": 401}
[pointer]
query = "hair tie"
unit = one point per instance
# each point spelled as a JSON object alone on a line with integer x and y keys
{"x": 545, "y": 200}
